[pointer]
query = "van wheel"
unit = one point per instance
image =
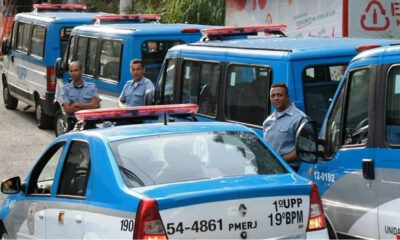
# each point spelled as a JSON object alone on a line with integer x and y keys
{"x": 331, "y": 233}
{"x": 3, "y": 234}
{"x": 43, "y": 120}
{"x": 10, "y": 102}
{"x": 60, "y": 124}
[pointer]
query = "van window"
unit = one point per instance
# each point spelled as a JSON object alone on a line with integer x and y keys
{"x": 393, "y": 106}
{"x": 91, "y": 57}
{"x": 165, "y": 92}
{"x": 64, "y": 36}
{"x": 71, "y": 50}
{"x": 319, "y": 86}
{"x": 110, "y": 56}
{"x": 81, "y": 51}
{"x": 200, "y": 86}
{"x": 37, "y": 44}
{"x": 247, "y": 95}
{"x": 23, "y": 37}
{"x": 153, "y": 53}
{"x": 356, "y": 124}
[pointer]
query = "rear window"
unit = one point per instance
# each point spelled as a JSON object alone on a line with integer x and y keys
{"x": 195, "y": 156}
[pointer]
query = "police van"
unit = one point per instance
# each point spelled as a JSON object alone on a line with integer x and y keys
{"x": 38, "y": 38}
{"x": 229, "y": 73}
{"x": 105, "y": 51}
{"x": 358, "y": 169}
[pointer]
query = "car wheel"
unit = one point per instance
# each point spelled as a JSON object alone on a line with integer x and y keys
{"x": 10, "y": 102}
{"x": 42, "y": 119}
{"x": 3, "y": 235}
{"x": 60, "y": 124}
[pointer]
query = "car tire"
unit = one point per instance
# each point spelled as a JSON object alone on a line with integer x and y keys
{"x": 43, "y": 120}
{"x": 10, "y": 102}
{"x": 60, "y": 123}
{"x": 3, "y": 235}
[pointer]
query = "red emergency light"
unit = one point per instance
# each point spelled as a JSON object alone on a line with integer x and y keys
{"x": 126, "y": 17}
{"x": 226, "y": 31}
{"x": 132, "y": 112}
{"x": 59, "y": 7}
{"x": 361, "y": 48}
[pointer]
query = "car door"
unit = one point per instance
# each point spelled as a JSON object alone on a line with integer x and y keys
{"x": 31, "y": 219}
{"x": 349, "y": 194}
{"x": 387, "y": 159}
{"x": 65, "y": 218}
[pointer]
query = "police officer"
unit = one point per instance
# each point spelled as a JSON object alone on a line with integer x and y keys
{"x": 78, "y": 95}
{"x": 134, "y": 90}
{"x": 280, "y": 127}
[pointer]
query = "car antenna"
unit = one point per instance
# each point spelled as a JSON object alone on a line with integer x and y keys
{"x": 165, "y": 118}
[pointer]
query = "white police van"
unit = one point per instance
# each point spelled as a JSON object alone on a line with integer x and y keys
{"x": 230, "y": 72}
{"x": 38, "y": 38}
{"x": 105, "y": 51}
{"x": 358, "y": 169}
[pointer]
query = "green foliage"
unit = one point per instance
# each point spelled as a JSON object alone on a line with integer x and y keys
{"x": 109, "y": 6}
{"x": 210, "y": 12}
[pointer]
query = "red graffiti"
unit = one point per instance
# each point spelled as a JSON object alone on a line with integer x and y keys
{"x": 237, "y": 4}
{"x": 374, "y": 27}
{"x": 262, "y": 4}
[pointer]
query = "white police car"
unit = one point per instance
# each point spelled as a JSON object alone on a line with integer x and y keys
{"x": 158, "y": 181}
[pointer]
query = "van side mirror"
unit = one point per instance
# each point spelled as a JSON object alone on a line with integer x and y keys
{"x": 4, "y": 46}
{"x": 11, "y": 185}
{"x": 59, "y": 68}
{"x": 307, "y": 143}
{"x": 149, "y": 97}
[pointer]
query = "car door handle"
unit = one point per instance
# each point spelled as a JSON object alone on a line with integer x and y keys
{"x": 368, "y": 168}
{"x": 78, "y": 219}
{"x": 41, "y": 215}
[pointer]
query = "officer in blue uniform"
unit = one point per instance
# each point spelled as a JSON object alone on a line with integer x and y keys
{"x": 134, "y": 90}
{"x": 78, "y": 95}
{"x": 279, "y": 129}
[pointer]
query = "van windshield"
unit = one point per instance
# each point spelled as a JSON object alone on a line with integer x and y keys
{"x": 186, "y": 157}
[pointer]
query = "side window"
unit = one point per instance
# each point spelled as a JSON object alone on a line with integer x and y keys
{"x": 23, "y": 37}
{"x": 91, "y": 57}
{"x": 200, "y": 86}
{"x": 110, "y": 57}
{"x": 70, "y": 50}
{"x": 165, "y": 88}
{"x": 393, "y": 106}
{"x": 319, "y": 85}
{"x": 356, "y": 124}
{"x": 42, "y": 176}
{"x": 64, "y": 36}
{"x": 153, "y": 54}
{"x": 37, "y": 43}
{"x": 247, "y": 95}
{"x": 81, "y": 51}
{"x": 75, "y": 172}
{"x": 334, "y": 125}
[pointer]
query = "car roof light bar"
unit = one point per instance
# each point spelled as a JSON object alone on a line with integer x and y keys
{"x": 132, "y": 112}
{"x": 249, "y": 30}
{"x": 59, "y": 7}
{"x": 126, "y": 18}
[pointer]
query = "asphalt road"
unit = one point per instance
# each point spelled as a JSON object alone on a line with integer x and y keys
{"x": 21, "y": 141}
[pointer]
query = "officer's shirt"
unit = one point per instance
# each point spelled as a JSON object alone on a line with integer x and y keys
{"x": 279, "y": 129}
{"x": 81, "y": 94}
{"x": 133, "y": 93}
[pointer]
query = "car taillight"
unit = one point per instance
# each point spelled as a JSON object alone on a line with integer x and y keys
{"x": 361, "y": 48}
{"x": 148, "y": 224}
{"x": 51, "y": 79}
{"x": 316, "y": 219}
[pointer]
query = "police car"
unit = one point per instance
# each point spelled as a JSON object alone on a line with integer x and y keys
{"x": 357, "y": 170}
{"x": 160, "y": 180}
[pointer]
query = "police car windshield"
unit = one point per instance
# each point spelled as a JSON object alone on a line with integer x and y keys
{"x": 186, "y": 157}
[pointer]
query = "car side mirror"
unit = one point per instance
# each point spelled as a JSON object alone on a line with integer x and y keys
{"x": 11, "y": 185}
{"x": 307, "y": 143}
{"x": 149, "y": 97}
{"x": 4, "y": 46}
{"x": 59, "y": 68}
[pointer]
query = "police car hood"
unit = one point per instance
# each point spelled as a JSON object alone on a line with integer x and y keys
{"x": 251, "y": 206}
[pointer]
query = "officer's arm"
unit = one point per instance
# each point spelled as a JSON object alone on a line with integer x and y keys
{"x": 70, "y": 108}
{"x": 95, "y": 103}
{"x": 290, "y": 157}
